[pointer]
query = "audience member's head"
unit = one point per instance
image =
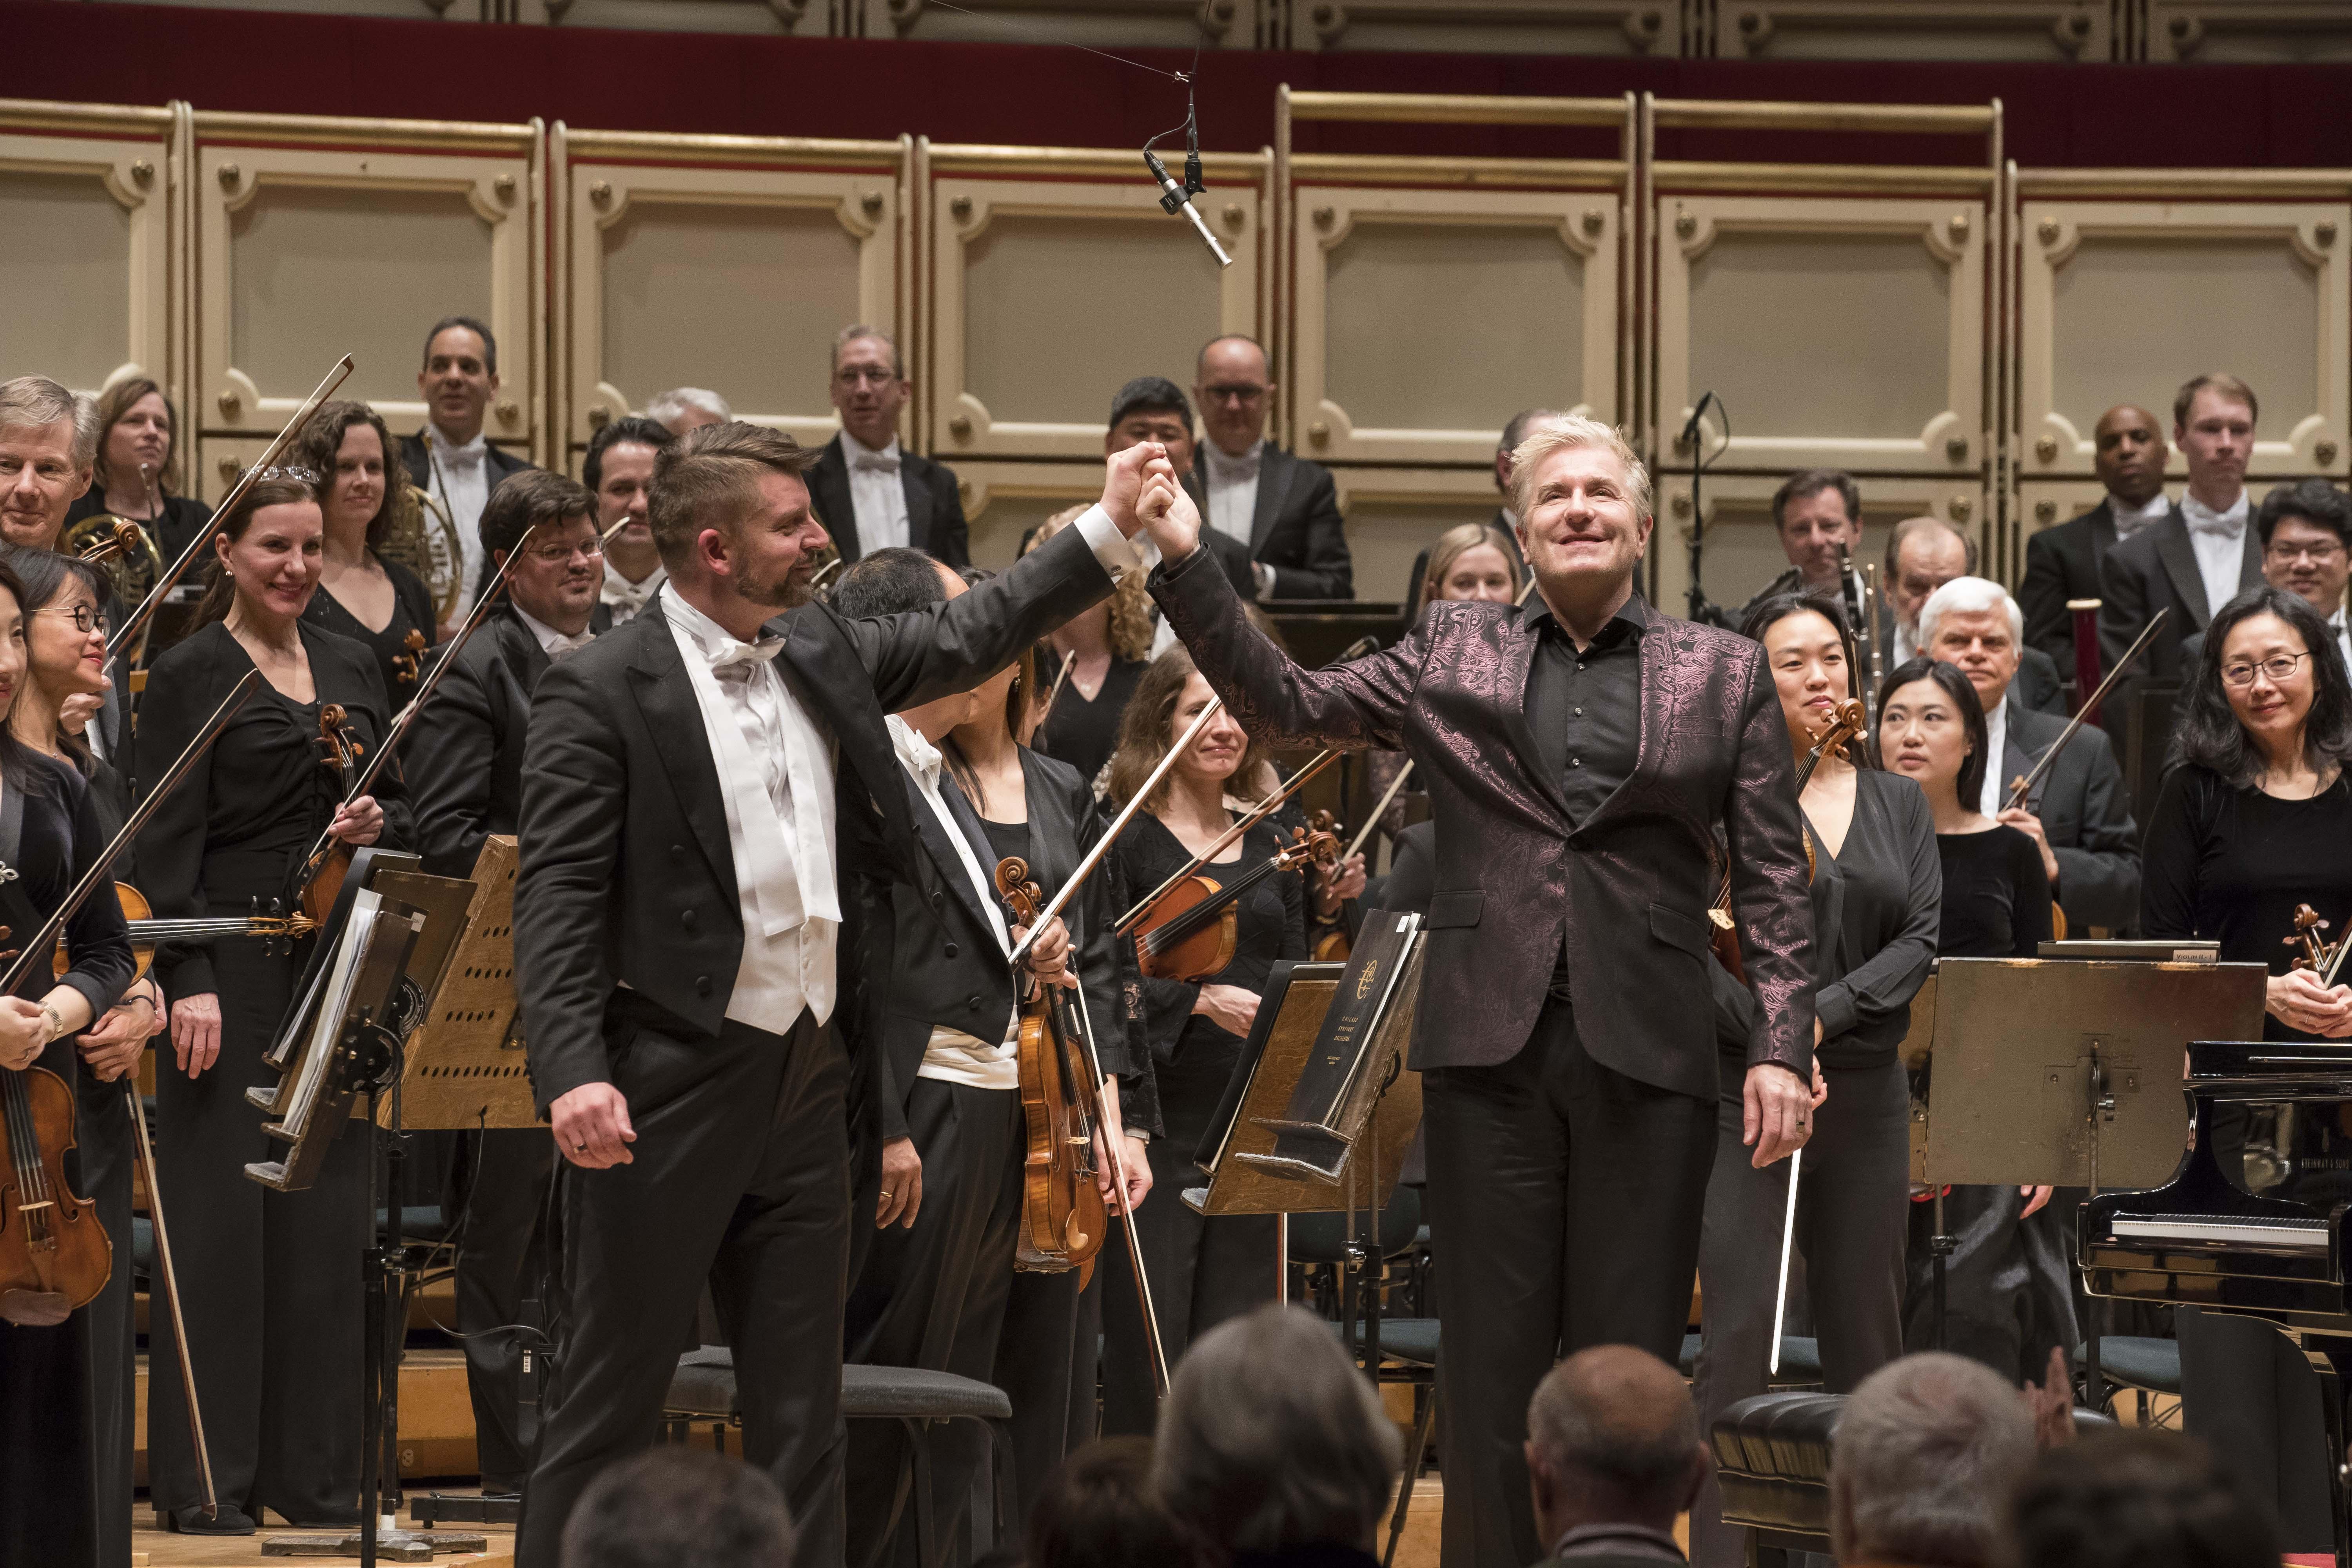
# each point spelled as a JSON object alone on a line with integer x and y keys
{"x": 2129, "y": 450}
{"x": 1234, "y": 388}
{"x": 1924, "y": 553}
{"x": 868, "y": 385}
{"x": 1612, "y": 1438}
{"x": 49, "y": 444}
{"x": 1271, "y": 1438}
{"x": 2140, "y": 1499}
{"x": 685, "y": 408}
{"x": 2213, "y": 424}
{"x": 731, "y": 517}
{"x": 1098, "y": 1511}
{"x": 1973, "y": 623}
{"x": 1507, "y": 449}
{"x": 459, "y": 378}
{"x": 2306, "y": 532}
{"x": 1925, "y": 1454}
{"x": 680, "y": 1507}
{"x": 1816, "y": 511}
{"x": 1151, "y": 408}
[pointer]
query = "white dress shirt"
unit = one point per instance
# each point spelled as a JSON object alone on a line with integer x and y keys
{"x": 1906, "y": 644}
{"x": 552, "y": 643}
{"x": 1996, "y": 788}
{"x": 626, "y": 598}
{"x": 1232, "y": 500}
{"x": 2219, "y": 538}
{"x": 775, "y": 777}
{"x": 2130, "y": 519}
{"x": 2335, "y": 622}
{"x": 460, "y": 476}
{"x": 876, "y": 494}
{"x": 952, "y": 1056}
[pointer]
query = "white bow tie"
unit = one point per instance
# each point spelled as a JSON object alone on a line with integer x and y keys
{"x": 876, "y": 463}
{"x": 922, "y": 758}
{"x": 2221, "y": 527}
{"x": 565, "y": 647}
{"x": 733, "y": 660}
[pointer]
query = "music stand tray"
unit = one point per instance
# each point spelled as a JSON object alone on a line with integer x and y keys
{"x": 465, "y": 1067}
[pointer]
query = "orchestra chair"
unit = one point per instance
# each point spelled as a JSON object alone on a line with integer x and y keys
{"x": 2144, "y": 1366}
{"x": 703, "y": 1391}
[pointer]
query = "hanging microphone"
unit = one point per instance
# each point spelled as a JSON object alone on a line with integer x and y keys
{"x": 1690, "y": 430}
{"x": 1175, "y": 198}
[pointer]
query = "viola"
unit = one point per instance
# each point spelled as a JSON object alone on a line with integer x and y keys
{"x": 1845, "y": 724}
{"x": 1332, "y": 946}
{"x": 148, "y": 933}
{"x": 407, "y": 664}
{"x": 1064, "y": 1219}
{"x": 2319, "y": 953}
{"x": 1188, "y": 931}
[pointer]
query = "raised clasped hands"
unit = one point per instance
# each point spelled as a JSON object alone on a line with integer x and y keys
{"x": 1165, "y": 510}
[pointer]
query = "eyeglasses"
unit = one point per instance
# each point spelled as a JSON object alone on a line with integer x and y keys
{"x": 1234, "y": 394}
{"x": 85, "y": 618}
{"x": 562, "y": 555}
{"x": 2278, "y": 667}
{"x": 879, "y": 375}
{"x": 2318, "y": 554}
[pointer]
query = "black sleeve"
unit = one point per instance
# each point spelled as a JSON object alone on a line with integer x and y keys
{"x": 2168, "y": 866}
{"x": 183, "y": 689}
{"x": 1322, "y": 568}
{"x": 1293, "y": 886}
{"x": 2041, "y": 595}
{"x": 1889, "y": 978}
{"x": 951, "y": 536}
{"x": 97, "y": 940}
{"x": 2029, "y": 910}
{"x": 446, "y": 757}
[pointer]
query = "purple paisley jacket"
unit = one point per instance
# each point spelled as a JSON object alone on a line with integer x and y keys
{"x": 1628, "y": 890}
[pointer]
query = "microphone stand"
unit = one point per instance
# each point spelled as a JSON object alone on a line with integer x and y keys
{"x": 1693, "y": 438}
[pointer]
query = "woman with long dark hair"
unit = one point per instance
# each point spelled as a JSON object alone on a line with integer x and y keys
{"x": 2254, "y": 818}
{"x": 270, "y": 1282}
{"x": 362, "y": 497}
{"x": 49, "y": 835}
{"x": 1877, "y": 899}
{"x": 137, "y": 474}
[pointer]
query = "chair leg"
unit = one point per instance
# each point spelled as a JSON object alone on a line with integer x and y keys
{"x": 1411, "y": 1473}
{"x": 881, "y": 1551}
{"x": 929, "y": 1553}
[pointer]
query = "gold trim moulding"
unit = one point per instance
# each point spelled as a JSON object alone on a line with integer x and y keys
{"x": 1455, "y": 109}
{"x": 450, "y": 135}
{"x": 1826, "y": 178}
{"x": 1358, "y": 169}
{"x": 1948, "y": 120}
{"x": 972, "y": 158}
{"x": 40, "y": 115}
{"x": 661, "y": 146}
{"x": 2165, "y": 184}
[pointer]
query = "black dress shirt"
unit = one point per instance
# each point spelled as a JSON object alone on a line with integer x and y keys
{"x": 1585, "y": 708}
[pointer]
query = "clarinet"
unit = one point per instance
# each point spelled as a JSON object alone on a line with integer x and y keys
{"x": 1869, "y": 657}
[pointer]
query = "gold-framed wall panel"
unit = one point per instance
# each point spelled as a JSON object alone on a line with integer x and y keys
{"x": 1395, "y": 513}
{"x": 1003, "y": 500}
{"x": 1809, "y": 293}
{"x": 2051, "y": 31}
{"x": 384, "y": 233}
{"x": 1743, "y": 548}
{"x": 86, "y": 194}
{"x": 1380, "y": 363}
{"x": 1030, "y": 246}
{"x": 1623, "y": 27}
{"x": 789, "y": 251}
{"x": 2124, "y": 300}
{"x": 2243, "y": 32}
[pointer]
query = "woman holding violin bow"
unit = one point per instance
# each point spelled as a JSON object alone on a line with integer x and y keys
{"x": 273, "y": 1299}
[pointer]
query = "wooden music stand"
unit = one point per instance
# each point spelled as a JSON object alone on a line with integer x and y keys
{"x": 465, "y": 1067}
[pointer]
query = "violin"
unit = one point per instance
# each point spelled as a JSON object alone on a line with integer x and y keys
{"x": 1845, "y": 723}
{"x": 147, "y": 933}
{"x": 1188, "y": 930}
{"x": 1064, "y": 1220}
{"x": 338, "y": 752}
{"x": 2319, "y": 953}
{"x": 1332, "y": 946}
{"x": 406, "y": 665}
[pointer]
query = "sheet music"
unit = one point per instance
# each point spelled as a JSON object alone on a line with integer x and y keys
{"x": 328, "y": 1020}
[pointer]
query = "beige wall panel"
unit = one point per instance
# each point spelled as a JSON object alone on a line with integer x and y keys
{"x": 1426, "y": 318}
{"x": 1743, "y": 549}
{"x": 2214, "y": 32}
{"x": 219, "y": 460}
{"x": 88, "y": 263}
{"x": 1847, "y": 333}
{"x": 1102, "y": 24}
{"x": 306, "y": 254}
{"x": 1002, "y": 501}
{"x": 2053, "y": 30}
{"x": 1049, "y": 295}
{"x": 736, "y": 280}
{"x": 2047, "y": 503}
{"x": 1393, "y": 514}
{"x": 2122, "y": 302}
{"x": 1492, "y": 26}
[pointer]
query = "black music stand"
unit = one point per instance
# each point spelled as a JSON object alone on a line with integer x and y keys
{"x": 2063, "y": 1073}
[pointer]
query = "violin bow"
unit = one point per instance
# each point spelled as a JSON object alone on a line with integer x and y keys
{"x": 1380, "y": 809}
{"x": 138, "y": 618}
{"x": 1788, "y": 1236}
{"x": 1264, "y": 809}
{"x": 171, "y": 1278}
{"x": 408, "y": 715}
{"x": 1110, "y": 835}
{"x": 1118, "y": 1174}
{"x": 2023, "y": 789}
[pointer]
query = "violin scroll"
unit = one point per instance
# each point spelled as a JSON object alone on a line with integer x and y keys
{"x": 2318, "y": 952}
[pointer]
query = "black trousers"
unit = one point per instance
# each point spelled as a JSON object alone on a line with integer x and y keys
{"x": 270, "y": 1282}
{"x": 1203, "y": 1269}
{"x": 933, "y": 1296}
{"x": 2250, "y": 1396}
{"x": 1046, "y": 1356}
{"x": 1564, "y": 1210}
{"x": 508, "y": 1172}
{"x": 741, "y": 1177}
{"x": 1852, "y": 1201}
{"x": 2007, "y": 1284}
{"x": 103, "y": 1130}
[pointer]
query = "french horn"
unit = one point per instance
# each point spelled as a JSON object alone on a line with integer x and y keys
{"x": 423, "y": 539}
{"x": 121, "y": 549}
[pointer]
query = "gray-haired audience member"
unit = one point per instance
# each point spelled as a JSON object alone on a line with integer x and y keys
{"x": 1271, "y": 1443}
{"x": 684, "y": 409}
{"x": 2139, "y": 1498}
{"x": 680, "y": 1507}
{"x": 1925, "y": 1455}
{"x": 1613, "y": 1455}
{"x": 49, "y": 446}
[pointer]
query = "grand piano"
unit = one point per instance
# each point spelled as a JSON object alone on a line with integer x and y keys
{"x": 2254, "y": 1220}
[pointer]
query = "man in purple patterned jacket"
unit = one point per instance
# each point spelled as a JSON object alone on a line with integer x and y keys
{"x": 1581, "y": 752}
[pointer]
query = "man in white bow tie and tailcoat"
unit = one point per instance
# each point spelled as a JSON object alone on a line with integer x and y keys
{"x": 869, "y": 494}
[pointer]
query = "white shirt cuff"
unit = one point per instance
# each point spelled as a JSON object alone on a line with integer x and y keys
{"x": 1265, "y": 575}
{"x": 1110, "y": 546}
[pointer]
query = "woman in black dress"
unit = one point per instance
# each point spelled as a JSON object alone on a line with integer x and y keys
{"x": 138, "y": 467}
{"x": 2009, "y": 1291}
{"x": 270, "y": 1282}
{"x": 65, "y": 647}
{"x": 49, "y": 835}
{"x": 1107, "y": 649}
{"x": 1877, "y": 896}
{"x": 1203, "y": 1271}
{"x": 2254, "y": 818}
{"x": 362, "y": 491}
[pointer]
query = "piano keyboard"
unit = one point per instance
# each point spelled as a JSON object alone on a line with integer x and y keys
{"x": 2290, "y": 1235}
